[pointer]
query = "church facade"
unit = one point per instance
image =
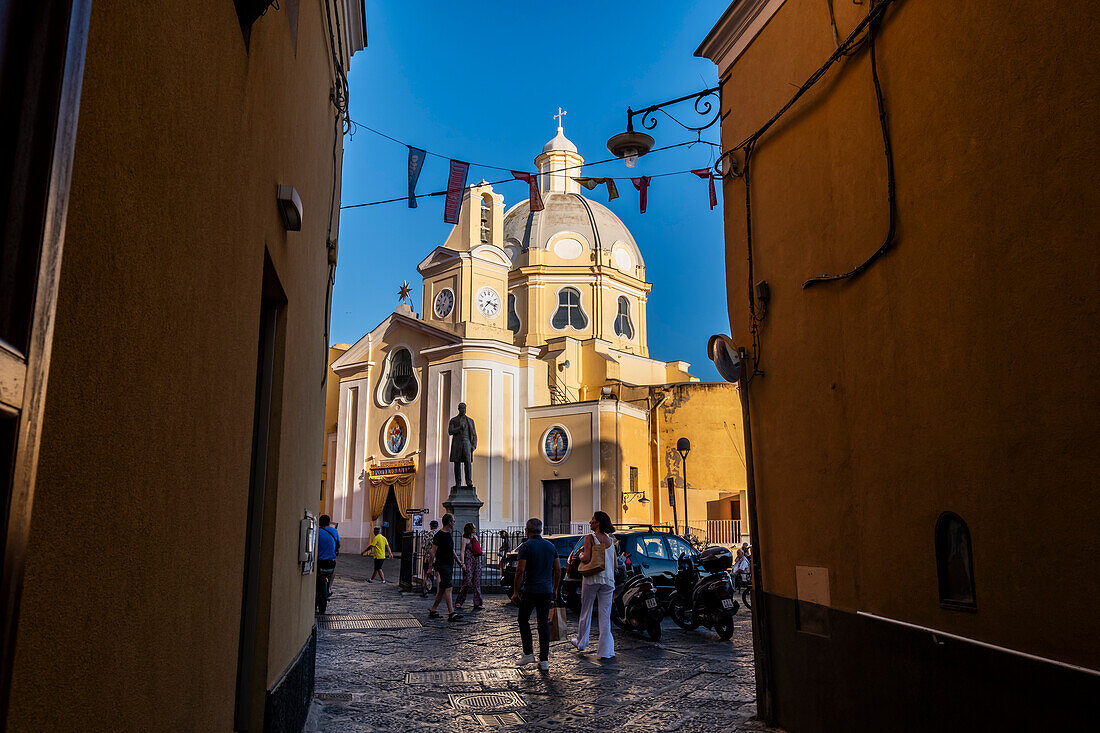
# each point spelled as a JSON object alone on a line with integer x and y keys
{"x": 536, "y": 320}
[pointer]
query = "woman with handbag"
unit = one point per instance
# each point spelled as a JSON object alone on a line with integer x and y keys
{"x": 597, "y": 568}
{"x": 471, "y": 567}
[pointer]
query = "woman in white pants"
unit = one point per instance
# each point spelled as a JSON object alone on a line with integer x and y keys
{"x": 600, "y": 586}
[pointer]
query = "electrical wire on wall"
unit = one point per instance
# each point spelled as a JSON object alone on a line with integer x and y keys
{"x": 341, "y": 125}
{"x": 728, "y": 164}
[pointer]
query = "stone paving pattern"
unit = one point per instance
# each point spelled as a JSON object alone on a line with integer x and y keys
{"x": 690, "y": 681}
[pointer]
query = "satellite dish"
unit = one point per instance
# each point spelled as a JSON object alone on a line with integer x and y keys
{"x": 723, "y": 352}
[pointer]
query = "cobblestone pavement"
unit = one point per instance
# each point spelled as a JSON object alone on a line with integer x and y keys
{"x": 435, "y": 675}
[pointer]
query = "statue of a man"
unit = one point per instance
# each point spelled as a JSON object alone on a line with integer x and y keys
{"x": 463, "y": 443}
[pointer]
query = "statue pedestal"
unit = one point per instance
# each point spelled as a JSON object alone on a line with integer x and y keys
{"x": 465, "y": 506}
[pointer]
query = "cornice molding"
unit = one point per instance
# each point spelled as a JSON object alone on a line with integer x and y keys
{"x": 735, "y": 30}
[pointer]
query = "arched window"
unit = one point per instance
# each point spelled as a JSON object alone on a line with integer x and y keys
{"x": 486, "y": 219}
{"x": 623, "y": 327}
{"x": 513, "y": 317}
{"x": 399, "y": 381}
{"x": 954, "y": 562}
{"x": 569, "y": 311}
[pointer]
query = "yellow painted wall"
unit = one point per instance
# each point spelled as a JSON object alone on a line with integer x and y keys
{"x": 132, "y": 599}
{"x": 708, "y": 415}
{"x": 958, "y": 372}
{"x": 622, "y": 446}
{"x": 577, "y": 467}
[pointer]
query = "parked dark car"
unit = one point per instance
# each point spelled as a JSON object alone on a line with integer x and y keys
{"x": 564, "y": 544}
{"x": 649, "y": 552}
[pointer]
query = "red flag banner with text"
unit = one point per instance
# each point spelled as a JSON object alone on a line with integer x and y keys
{"x": 708, "y": 174}
{"x": 456, "y": 183}
{"x": 533, "y": 185}
{"x": 416, "y": 162}
{"x": 642, "y": 184}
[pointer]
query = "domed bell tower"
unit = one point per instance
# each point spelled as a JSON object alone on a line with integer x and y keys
{"x": 559, "y": 163}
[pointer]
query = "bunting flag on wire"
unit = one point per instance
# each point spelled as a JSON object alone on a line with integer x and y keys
{"x": 708, "y": 174}
{"x": 416, "y": 162}
{"x": 456, "y": 183}
{"x": 533, "y": 183}
{"x": 591, "y": 183}
{"x": 642, "y": 184}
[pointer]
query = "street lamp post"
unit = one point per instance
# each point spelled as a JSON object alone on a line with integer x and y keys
{"x": 683, "y": 447}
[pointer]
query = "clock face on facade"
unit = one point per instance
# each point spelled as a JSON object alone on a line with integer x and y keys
{"x": 488, "y": 302}
{"x": 444, "y": 302}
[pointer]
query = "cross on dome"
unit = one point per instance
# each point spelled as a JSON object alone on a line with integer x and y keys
{"x": 561, "y": 113}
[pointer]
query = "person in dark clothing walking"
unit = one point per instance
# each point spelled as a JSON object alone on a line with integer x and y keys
{"x": 538, "y": 575}
{"x": 328, "y": 547}
{"x": 443, "y": 560}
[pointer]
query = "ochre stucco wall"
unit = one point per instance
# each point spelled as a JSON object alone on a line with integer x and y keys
{"x": 132, "y": 602}
{"x": 958, "y": 372}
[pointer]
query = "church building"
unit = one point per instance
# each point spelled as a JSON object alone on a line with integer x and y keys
{"x": 536, "y": 320}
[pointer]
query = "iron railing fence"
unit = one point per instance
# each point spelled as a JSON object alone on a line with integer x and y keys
{"x": 418, "y": 546}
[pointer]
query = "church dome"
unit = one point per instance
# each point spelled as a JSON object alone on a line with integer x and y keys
{"x": 570, "y": 213}
{"x": 559, "y": 142}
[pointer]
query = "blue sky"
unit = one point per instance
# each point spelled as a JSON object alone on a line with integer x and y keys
{"x": 481, "y": 82}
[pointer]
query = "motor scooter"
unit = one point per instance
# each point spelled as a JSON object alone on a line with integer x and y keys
{"x": 705, "y": 600}
{"x": 324, "y": 582}
{"x": 634, "y": 605}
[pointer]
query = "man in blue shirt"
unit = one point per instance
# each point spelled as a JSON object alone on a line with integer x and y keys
{"x": 538, "y": 575}
{"x": 328, "y": 547}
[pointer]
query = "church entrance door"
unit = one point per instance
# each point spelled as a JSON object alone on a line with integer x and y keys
{"x": 556, "y": 513}
{"x": 393, "y": 524}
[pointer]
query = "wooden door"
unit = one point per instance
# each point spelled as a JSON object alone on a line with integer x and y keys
{"x": 41, "y": 66}
{"x": 556, "y": 510}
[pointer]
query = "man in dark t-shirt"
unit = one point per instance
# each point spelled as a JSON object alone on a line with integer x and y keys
{"x": 442, "y": 559}
{"x": 538, "y": 575}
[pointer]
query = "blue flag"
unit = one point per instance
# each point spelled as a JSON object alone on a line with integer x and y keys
{"x": 416, "y": 162}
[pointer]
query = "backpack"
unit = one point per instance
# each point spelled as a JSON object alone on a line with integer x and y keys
{"x": 475, "y": 546}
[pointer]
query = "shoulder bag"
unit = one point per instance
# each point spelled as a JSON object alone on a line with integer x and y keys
{"x": 597, "y": 563}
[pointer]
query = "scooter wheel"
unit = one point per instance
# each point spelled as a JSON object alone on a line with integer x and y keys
{"x": 724, "y": 628}
{"x": 746, "y": 598}
{"x": 654, "y": 630}
{"x": 679, "y": 614}
{"x": 617, "y": 615}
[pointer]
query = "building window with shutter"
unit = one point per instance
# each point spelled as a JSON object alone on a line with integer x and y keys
{"x": 398, "y": 379}
{"x": 623, "y": 326}
{"x": 569, "y": 313}
{"x": 513, "y": 316}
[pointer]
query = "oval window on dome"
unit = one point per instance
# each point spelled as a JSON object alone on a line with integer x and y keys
{"x": 568, "y": 248}
{"x": 622, "y": 257}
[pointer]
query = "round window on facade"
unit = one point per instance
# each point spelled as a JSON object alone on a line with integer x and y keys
{"x": 395, "y": 435}
{"x": 556, "y": 444}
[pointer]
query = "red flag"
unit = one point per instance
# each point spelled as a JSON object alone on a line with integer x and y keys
{"x": 642, "y": 184}
{"x": 456, "y": 183}
{"x": 533, "y": 184}
{"x": 709, "y": 175}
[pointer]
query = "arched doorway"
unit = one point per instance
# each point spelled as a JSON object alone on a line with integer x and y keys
{"x": 393, "y": 524}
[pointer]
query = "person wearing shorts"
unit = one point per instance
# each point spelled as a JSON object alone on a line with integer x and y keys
{"x": 443, "y": 560}
{"x": 378, "y": 547}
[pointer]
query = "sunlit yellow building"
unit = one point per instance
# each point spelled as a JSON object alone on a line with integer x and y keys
{"x": 537, "y": 321}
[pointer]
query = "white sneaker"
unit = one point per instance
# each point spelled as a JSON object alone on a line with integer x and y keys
{"x": 544, "y": 665}
{"x": 524, "y": 659}
{"x": 576, "y": 644}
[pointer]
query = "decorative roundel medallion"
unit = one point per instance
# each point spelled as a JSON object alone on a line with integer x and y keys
{"x": 488, "y": 302}
{"x": 555, "y": 444}
{"x": 444, "y": 303}
{"x": 395, "y": 435}
{"x": 568, "y": 248}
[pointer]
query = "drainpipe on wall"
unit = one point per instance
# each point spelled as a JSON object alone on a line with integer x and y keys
{"x": 760, "y": 637}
